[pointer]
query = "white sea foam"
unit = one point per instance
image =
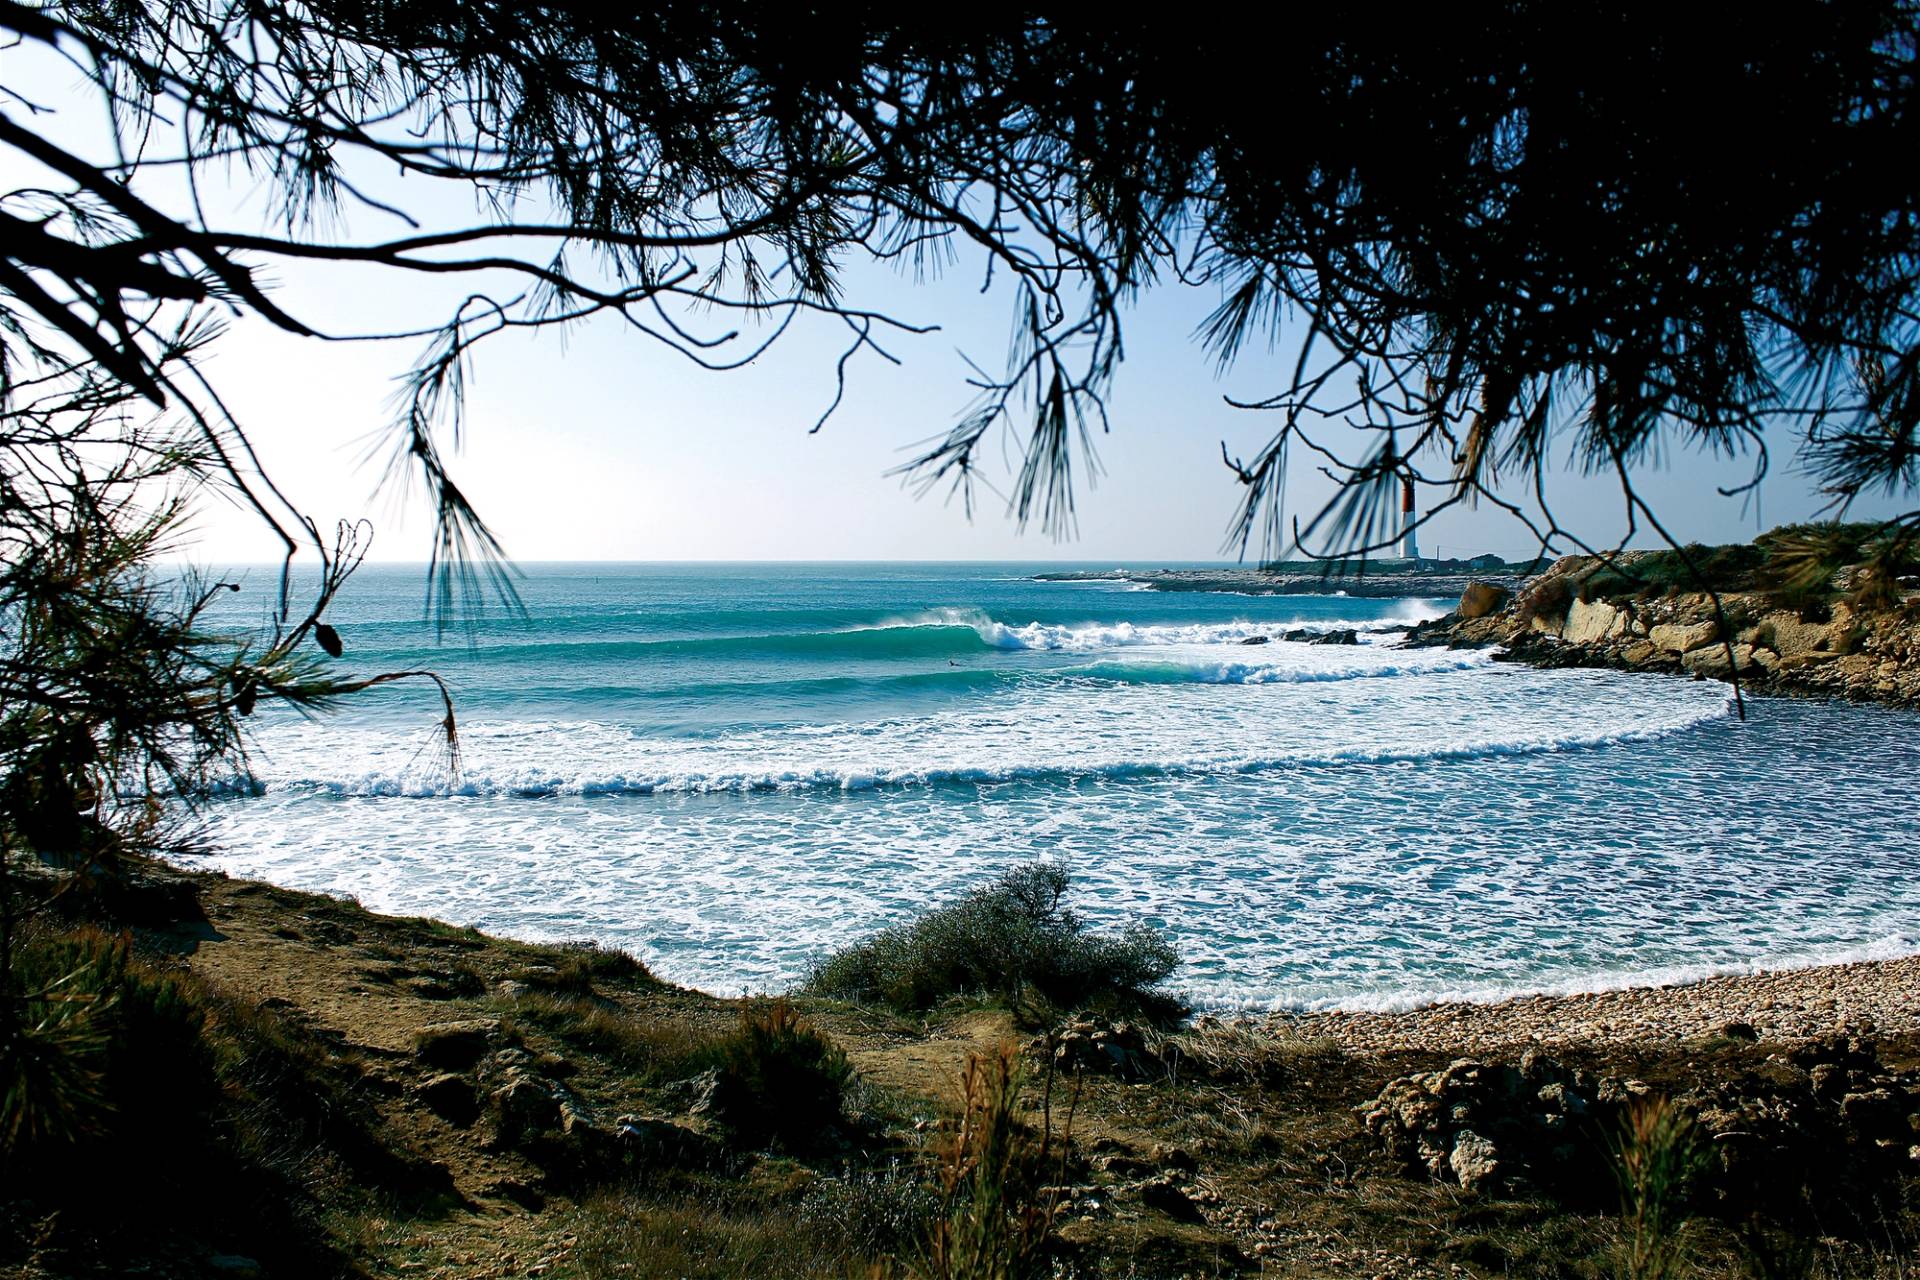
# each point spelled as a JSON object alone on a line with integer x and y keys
{"x": 1205, "y": 671}
{"x": 1092, "y": 636}
{"x": 1315, "y": 825}
{"x": 1131, "y": 719}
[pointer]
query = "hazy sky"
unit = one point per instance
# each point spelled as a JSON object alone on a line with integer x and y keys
{"x": 606, "y": 446}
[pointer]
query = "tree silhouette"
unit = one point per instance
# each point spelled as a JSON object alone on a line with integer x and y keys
{"x": 1484, "y": 234}
{"x": 1500, "y": 229}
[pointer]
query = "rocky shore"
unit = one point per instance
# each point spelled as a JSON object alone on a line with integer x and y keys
{"x": 1782, "y": 1006}
{"x": 1823, "y": 647}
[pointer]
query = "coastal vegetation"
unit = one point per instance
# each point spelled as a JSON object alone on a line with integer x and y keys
{"x": 1462, "y": 257}
{"x": 1014, "y": 941}
{"x": 315, "y": 1090}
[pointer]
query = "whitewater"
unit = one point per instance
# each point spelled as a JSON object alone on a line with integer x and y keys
{"x": 730, "y": 769}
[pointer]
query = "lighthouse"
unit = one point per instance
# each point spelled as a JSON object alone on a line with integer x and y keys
{"x": 1409, "y": 550}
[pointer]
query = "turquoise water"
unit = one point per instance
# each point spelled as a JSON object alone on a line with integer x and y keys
{"x": 727, "y": 769}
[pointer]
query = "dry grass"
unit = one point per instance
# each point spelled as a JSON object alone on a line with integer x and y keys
{"x": 1238, "y": 1053}
{"x": 634, "y": 1237}
{"x": 649, "y": 1048}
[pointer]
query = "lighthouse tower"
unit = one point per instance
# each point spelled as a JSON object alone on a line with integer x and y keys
{"x": 1409, "y": 549}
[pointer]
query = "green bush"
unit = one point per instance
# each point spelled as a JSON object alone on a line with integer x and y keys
{"x": 1603, "y": 584}
{"x": 1011, "y": 940}
{"x": 777, "y": 1078}
{"x": 1735, "y": 567}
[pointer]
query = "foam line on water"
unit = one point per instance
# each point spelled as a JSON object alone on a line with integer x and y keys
{"x": 536, "y": 782}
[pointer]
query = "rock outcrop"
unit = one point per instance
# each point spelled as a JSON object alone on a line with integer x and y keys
{"x": 1483, "y": 598}
{"x": 1832, "y": 649}
{"x": 1485, "y": 1125}
{"x": 1098, "y": 1046}
{"x": 1828, "y": 1109}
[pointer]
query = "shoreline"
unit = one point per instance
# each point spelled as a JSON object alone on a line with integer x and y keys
{"x": 1880, "y": 996}
{"x": 1780, "y": 1005}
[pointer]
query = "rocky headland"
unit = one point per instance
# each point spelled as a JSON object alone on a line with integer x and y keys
{"x": 1592, "y": 611}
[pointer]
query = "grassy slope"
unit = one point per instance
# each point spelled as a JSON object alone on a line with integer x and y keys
{"x": 1283, "y": 1181}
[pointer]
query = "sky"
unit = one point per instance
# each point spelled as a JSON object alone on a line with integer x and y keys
{"x": 606, "y": 446}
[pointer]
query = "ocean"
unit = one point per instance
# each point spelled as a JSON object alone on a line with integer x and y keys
{"x": 728, "y": 769}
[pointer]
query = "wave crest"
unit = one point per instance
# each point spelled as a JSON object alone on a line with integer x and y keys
{"x": 535, "y": 782}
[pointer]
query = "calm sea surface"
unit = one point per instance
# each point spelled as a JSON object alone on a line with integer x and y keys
{"x": 729, "y": 768}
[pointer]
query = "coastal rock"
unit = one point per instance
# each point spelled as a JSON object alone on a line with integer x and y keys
{"x": 1344, "y": 635}
{"x": 523, "y": 1107}
{"x": 1257, "y": 640}
{"x": 1714, "y": 663}
{"x": 1676, "y": 637}
{"x": 1166, "y": 1195}
{"x": 1589, "y": 622}
{"x": 1833, "y": 1113}
{"x": 1101, "y": 1047}
{"x": 1793, "y": 638}
{"x": 1482, "y": 599}
{"x": 1475, "y": 1162}
{"x": 1637, "y": 652}
{"x": 649, "y": 1142}
{"x": 1874, "y": 1112}
{"x": 1830, "y": 647}
{"x": 696, "y": 1093}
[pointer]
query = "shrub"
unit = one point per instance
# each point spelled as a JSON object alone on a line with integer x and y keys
{"x": 651, "y": 1049}
{"x": 145, "y": 1112}
{"x": 996, "y": 1213}
{"x": 777, "y": 1077}
{"x": 1010, "y": 940}
{"x": 1658, "y": 1156}
{"x": 577, "y": 965}
{"x": 694, "y": 1236}
{"x": 1604, "y": 583}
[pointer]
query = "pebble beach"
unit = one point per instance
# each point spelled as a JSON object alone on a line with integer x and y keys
{"x": 1881, "y": 996}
